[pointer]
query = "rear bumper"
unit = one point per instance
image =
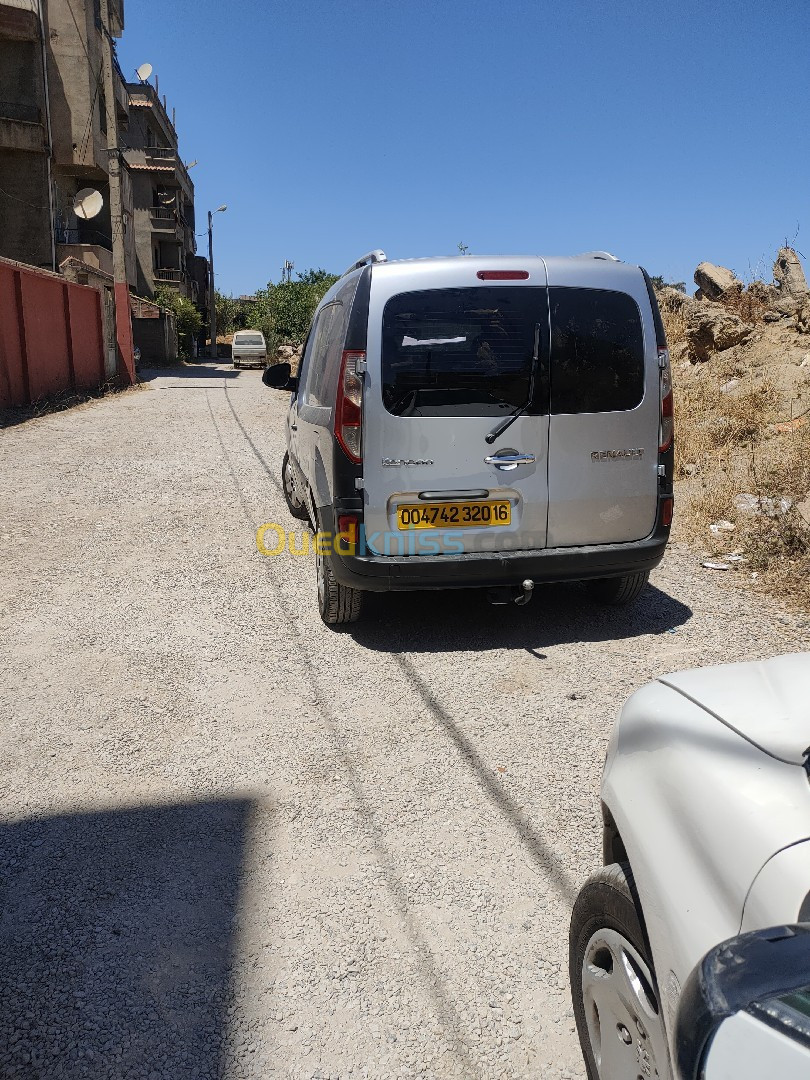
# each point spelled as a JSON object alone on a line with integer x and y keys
{"x": 381, "y": 573}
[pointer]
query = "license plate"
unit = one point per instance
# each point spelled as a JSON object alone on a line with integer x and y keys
{"x": 453, "y": 515}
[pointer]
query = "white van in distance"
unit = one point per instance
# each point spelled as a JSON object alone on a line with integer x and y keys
{"x": 248, "y": 349}
{"x": 490, "y": 422}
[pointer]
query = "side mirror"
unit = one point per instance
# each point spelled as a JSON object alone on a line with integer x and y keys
{"x": 280, "y": 377}
{"x": 745, "y": 1009}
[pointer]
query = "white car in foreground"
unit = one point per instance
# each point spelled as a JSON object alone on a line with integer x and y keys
{"x": 706, "y": 807}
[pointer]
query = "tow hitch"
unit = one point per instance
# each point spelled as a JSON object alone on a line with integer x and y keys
{"x": 504, "y": 594}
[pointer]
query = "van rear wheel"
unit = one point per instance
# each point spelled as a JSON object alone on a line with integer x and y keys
{"x": 295, "y": 503}
{"x": 618, "y": 591}
{"x": 337, "y": 603}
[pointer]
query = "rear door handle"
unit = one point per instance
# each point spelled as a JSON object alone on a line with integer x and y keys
{"x": 506, "y": 462}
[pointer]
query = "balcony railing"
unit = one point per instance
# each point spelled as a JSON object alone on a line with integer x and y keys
{"x": 162, "y": 158}
{"x": 165, "y": 213}
{"x": 15, "y": 110}
{"x": 170, "y": 277}
{"x": 83, "y": 236}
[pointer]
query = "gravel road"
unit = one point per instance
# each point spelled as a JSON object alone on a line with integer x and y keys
{"x": 237, "y": 844}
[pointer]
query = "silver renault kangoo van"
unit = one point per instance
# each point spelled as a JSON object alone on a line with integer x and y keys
{"x": 488, "y": 422}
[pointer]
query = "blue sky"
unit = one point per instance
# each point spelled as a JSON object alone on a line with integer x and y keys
{"x": 665, "y": 132}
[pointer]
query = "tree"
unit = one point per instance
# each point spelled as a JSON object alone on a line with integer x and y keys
{"x": 284, "y": 311}
{"x": 229, "y": 313}
{"x": 189, "y": 320}
{"x": 659, "y": 283}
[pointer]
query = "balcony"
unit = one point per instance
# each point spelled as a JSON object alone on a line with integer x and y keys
{"x": 21, "y": 127}
{"x": 19, "y": 20}
{"x": 17, "y": 110}
{"x": 163, "y": 276}
{"x": 96, "y": 256}
{"x": 165, "y": 220}
{"x": 165, "y": 161}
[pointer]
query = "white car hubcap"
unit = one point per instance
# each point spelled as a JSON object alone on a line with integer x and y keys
{"x": 622, "y": 1011}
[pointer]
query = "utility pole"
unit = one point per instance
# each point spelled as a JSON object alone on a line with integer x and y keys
{"x": 46, "y": 89}
{"x": 212, "y": 305}
{"x": 123, "y": 317}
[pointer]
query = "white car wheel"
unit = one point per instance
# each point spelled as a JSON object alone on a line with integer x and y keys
{"x": 626, "y": 1034}
{"x": 613, "y": 986}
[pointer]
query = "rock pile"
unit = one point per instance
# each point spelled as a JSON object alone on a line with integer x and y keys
{"x": 290, "y": 354}
{"x": 721, "y": 313}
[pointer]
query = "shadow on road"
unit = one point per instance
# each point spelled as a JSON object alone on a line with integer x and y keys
{"x": 116, "y": 937}
{"x": 464, "y": 621}
{"x": 191, "y": 369}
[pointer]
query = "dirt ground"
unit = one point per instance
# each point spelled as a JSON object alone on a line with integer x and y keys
{"x": 237, "y": 844}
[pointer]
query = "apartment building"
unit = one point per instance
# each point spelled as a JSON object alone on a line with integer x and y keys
{"x": 53, "y": 132}
{"x": 25, "y": 210}
{"x": 163, "y": 200}
{"x": 54, "y": 142}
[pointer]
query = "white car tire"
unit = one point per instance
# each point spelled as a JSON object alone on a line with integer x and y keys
{"x": 613, "y": 987}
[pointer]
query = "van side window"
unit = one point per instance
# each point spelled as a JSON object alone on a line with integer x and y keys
{"x": 306, "y": 355}
{"x": 312, "y": 389}
{"x": 597, "y": 351}
{"x": 322, "y": 362}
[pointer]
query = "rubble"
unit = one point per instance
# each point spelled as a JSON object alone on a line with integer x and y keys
{"x": 712, "y": 281}
{"x": 788, "y": 273}
{"x": 710, "y": 328}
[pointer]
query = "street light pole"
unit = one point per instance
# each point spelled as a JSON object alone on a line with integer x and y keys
{"x": 123, "y": 315}
{"x": 212, "y": 306}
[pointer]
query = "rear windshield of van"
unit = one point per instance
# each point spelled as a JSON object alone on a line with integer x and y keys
{"x": 468, "y": 352}
{"x": 597, "y": 351}
{"x": 460, "y": 352}
{"x": 249, "y": 339}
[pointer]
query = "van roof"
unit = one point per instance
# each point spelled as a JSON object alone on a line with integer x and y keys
{"x": 592, "y": 267}
{"x": 600, "y": 261}
{"x": 603, "y": 256}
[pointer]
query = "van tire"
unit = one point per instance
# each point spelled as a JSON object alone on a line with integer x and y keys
{"x": 297, "y": 507}
{"x": 618, "y": 591}
{"x": 338, "y": 604}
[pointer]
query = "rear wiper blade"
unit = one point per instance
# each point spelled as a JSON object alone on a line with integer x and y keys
{"x": 507, "y": 421}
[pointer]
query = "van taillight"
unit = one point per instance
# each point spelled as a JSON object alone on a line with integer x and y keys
{"x": 349, "y": 411}
{"x": 667, "y": 428}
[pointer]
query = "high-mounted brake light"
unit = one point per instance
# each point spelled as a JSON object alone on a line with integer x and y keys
{"x": 667, "y": 428}
{"x": 349, "y": 410}
{"x": 502, "y": 275}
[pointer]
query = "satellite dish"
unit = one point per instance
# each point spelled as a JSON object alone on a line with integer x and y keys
{"x": 87, "y": 203}
{"x": 143, "y": 72}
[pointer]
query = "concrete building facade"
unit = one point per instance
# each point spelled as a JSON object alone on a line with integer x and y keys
{"x": 53, "y": 132}
{"x": 54, "y": 143}
{"x": 163, "y": 199}
{"x": 25, "y": 208}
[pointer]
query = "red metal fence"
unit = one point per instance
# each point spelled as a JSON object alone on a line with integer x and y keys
{"x": 51, "y": 335}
